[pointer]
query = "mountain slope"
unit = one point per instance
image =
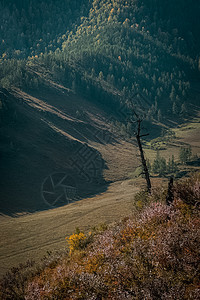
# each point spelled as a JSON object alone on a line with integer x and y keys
{"x": 72, "y": 73}
{"x": 54, "y": 132}
{"x": 37, "y": 140}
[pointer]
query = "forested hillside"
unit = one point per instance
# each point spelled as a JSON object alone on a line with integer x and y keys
{"x": 77, "y": 79}
{"x": 107, "y": 50}
{"x": 31, "y": 27}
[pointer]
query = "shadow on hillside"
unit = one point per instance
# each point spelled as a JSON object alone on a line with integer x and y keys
{"x": 81, "y": 118}
{"x": 42, "y": 168}
{"x": 194, "y": 163}
{"x": 31, "y": 182}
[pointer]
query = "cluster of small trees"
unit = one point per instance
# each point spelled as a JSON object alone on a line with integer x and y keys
{"x": 162, "y": 167}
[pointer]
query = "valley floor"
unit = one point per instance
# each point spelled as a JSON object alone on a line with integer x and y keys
{"x": 31, "y": 236}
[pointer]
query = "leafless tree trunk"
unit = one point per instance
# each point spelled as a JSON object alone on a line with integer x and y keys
{"x": 145, "y": 169}
{"x": 170, "y": 192}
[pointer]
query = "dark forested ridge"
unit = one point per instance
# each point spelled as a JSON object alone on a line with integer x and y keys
{"x": 107, "y": 50}
{"x": 31, "y": 27}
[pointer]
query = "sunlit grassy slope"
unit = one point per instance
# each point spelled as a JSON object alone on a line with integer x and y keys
{"x": 56, "y": 123}
{"x": 56, "y": 117}
{"x": 153, "y": 253}
{"x": 30, "y": 236}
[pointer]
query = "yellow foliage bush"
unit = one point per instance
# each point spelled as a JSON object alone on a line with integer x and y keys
{"x": 76, "y": 241}
{"x": 94, "y": 263}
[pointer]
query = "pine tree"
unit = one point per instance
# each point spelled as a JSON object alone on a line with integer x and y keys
{"x": 185, "y": 154}
{"x": 172, "y": 94}
{"x": 169, "y": 166}
{"x": 183, "y": 109}
{"x": 159, "y": 165}
{"x": 155, "y": 166}
{"x": 174, "y": 108}
{"x": 159, "y": 116}
{"x": 172, "y": 165}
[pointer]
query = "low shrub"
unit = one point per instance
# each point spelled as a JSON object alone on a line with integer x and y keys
{"x": 14, "y": 283}
{"x": 188, "y": 190}
{"x": 76, "y": 241}
{"x": 152, "y": 256}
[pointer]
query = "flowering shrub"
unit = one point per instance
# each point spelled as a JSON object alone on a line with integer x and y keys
{"x": 189, "y": 190}
{"x": 76, "y": 241}
{"x": 153, "y": 256}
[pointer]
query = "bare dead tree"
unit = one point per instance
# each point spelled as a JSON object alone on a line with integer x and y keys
{"x": 138, "y": 138}
{"x": 144, "y": 164}
{"x": 170, "y": 192}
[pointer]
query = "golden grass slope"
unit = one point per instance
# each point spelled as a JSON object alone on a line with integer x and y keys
{"x": 31, "y": 235}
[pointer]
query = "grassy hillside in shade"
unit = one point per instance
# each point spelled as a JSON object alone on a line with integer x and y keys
{"x": 42, "y": 135}
{"x": 153, "y": 254}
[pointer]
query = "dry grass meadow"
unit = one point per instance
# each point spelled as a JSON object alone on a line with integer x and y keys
{"x": 30, "y": 235}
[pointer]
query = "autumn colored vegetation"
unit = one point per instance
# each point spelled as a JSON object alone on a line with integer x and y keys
{"x": 153, "y": 254}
